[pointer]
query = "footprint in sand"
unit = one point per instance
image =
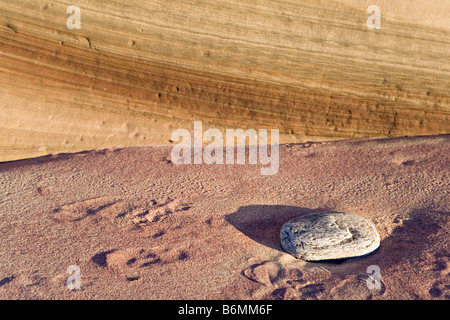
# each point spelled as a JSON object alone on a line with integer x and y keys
{"x": 26, "y": 279}
{"x": 134, "y": 263}
{"x": 283, "y": 279}
{"x": 355, "y": 287}
{"x": 404, "y": 158}
{"x": 156, "y": 212}
{"x": 136, "y": 212}
{"x": 7, "y": 280}
{"x": 266, "y": 273}
{"x": 80, "y": 210}
{"x": 442, "y": 263}
{"x": 277, "y": 282}
{"x": 441, "y": 288}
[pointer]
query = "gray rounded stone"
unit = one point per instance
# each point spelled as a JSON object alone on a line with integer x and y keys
{"x": 327, "y": 236}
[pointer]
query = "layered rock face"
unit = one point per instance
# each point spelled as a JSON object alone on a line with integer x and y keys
{"x": 133, "y": 73}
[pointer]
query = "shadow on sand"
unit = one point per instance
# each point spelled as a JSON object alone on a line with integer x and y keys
{"x": 408, "y": 241}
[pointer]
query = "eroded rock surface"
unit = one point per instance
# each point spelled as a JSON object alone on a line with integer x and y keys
{"x": 325, "y": 236}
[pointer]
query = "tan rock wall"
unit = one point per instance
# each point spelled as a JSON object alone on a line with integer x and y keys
{"x": 135, "y": 72}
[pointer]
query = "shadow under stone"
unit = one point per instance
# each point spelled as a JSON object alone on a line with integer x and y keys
{"x": 262, "y": 223}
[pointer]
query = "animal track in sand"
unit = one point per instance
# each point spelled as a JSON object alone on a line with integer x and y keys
{"x": 36, "y": 279}
{"x": 266, "y": 273}
{"x": 7, "y": 280}
{"x": 406, "y": 158}
{"x": 135, "y": 212}
{"x": 156, "y": 212}
{"x": 26, "y": 279}
{"x": 80, "y": 210}
{"x": 442, "y": 263}
{"x": 135, "y": 262}
{"x": 441, "y": 288}
{"x": 281, "y": 283}
{"x": 280, "y": 280}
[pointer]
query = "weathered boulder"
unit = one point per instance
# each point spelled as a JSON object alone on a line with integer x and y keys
{"x": 326, "y": 236}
